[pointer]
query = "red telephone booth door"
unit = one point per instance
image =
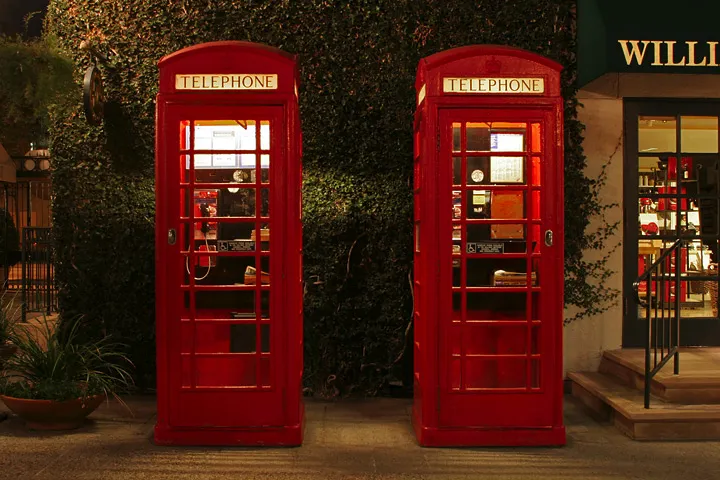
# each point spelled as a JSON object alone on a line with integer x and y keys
{"x": 501, "y": 268}
{"x": 225, "y": 311}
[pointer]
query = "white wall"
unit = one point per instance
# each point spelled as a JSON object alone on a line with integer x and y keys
{"x": 602, "y": 114}
{"x": 585, "y": 339}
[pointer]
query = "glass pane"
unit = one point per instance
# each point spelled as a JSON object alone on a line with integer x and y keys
{"x": 478, "y": 202}
{"x": 480, "y": 240}
{"x": 224, "y": 202}
{"x": 265, "y": 168}
{"x": 507, "y": 170}
{"x": 498, "y": 272}
{"x": 486, "y": 338}
{"x": 240, "y": 302}
{"x": 251, "y": 274}
{"x": 236, "y": 370}
{"x": 495, "y": 372}
{"x": 478, "y": 171}
{"x": 457, "y": 205}
{"x": 456, "y": 137}
{"x": 657, "y": 134}
{"x": 504, "y": 139}
{"x": 264, "y": 135}
{"x": 535, "y": 138}
{"x": 224, "y": 337}
{"x": 497, "y": 306}
{"x": 699, "y": 134}
{"x": 508, "y": 205}
{"x": 536, "y": 172}
{"x": 225, "y": 135}
{"x": 218, "y": 270}
{"x": 457, "y": 305}
{"x": 265, "y": 202}
{"x": 457, "y": 171}
{"x": 478, "y": 137}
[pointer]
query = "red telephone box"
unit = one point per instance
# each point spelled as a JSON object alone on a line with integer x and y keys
{"x": 488, "y": 249}
{"x": 228, "y": 247}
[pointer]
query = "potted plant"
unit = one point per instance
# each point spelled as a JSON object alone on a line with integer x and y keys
{"x": 54, "y": 380}
{"x": 7, "y": 320}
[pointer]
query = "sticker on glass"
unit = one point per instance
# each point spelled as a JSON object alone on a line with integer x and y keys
{"x": 477, "y": 176}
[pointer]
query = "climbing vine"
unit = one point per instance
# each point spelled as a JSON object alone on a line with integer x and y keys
{"x": 358, "y": 62}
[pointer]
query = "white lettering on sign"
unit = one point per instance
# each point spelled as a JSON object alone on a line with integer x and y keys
{"x": 669, "y": 53}
{"x": 250, "y": 81}
{"x": 493, "y": 85}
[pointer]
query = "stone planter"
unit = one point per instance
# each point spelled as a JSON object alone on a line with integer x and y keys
{"x": 53, "y": 415}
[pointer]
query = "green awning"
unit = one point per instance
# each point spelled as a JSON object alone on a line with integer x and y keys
{"x": 647, "y": 36}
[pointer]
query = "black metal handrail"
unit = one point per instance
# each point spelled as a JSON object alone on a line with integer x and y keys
{"x": 661, "y": 345}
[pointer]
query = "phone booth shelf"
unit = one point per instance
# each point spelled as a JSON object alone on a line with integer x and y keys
{"x": 488, "y": 249}
{"x": 228, "y": 247}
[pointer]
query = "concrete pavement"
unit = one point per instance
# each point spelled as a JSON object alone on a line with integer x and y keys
{"x": 351, "y": 439}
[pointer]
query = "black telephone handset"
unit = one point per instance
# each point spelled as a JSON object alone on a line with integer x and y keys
{"x": 204, "y": 212}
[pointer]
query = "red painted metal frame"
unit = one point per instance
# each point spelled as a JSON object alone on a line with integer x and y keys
{"x": 511, "y": 417}
{"x": 219, "y": 415}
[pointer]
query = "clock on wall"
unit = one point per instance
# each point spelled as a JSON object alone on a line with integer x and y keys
{"x": 93, "y": 96}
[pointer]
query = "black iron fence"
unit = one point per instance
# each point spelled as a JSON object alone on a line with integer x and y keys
{"x": 37, "y": 286}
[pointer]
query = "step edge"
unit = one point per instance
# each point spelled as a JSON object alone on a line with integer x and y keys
{"x": 645, "y": 416}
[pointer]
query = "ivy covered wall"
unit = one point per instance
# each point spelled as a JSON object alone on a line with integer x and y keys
{"x": 358, "y": 62}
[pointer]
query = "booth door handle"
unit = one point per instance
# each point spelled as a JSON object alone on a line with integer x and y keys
{"x": 172, "y": 236}
{"x": 548, "y": 238}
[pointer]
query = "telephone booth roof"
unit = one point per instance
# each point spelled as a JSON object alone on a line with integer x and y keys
{"x": 230, "y": 57}
{"x": 499, "y": 61}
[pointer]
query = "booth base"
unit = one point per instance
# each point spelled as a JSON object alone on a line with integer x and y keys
{"x": 490, "y": 437}
{"x": 288, "y": 436}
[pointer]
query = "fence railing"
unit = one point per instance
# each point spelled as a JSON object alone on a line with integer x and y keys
{"x": 661, "y": 282}
{"x": 38, "y": 286}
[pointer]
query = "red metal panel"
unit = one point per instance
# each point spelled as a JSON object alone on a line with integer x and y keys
{"x": 229, "y": 338}
{"x": 489, "y": 376}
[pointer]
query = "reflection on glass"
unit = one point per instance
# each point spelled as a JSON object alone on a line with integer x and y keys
{"x": 478, "y": 170}
{"x": 229, "y": 136}
{"x": 507, "y": 205}
{"x": 535, "y": 138}
{"x": 264, "y": 135}
{"x": 478, "y": 137}
{"x": 699, "y": 134}
{"x": 478, "y": 204}
{"x": 457, "y": 171}
{"x": 497, "y": 306}
{"x": 498, "y": 272}
{"x": 265, "y": 168}
{"x": 507, "y": 372}
{"x": 265, "y": 202}
{"x": 456, "y": 137}
{"x": 536, "y": 171}
{"x": 490, "y": 339}
{"x": 657, "y": 134}
{"x": 456, "y": 205}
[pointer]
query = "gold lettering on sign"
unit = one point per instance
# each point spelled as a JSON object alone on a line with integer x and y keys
{"x": 250, "y": 81}
{"x": 494, "y": 85}
{"x": 665, "y": 53}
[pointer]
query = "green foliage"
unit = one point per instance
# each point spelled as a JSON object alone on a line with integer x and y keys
{"x": 358, "y": 62}
{"x": 8, "y": 316}
{"x": 9, "y": 239}
{"x": 57, "y": 366}
{"x": 32, "y": 77}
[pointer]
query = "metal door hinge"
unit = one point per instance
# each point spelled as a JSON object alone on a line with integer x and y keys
{"x": 172, "y": 236}
{"x": 437, "y": 140}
